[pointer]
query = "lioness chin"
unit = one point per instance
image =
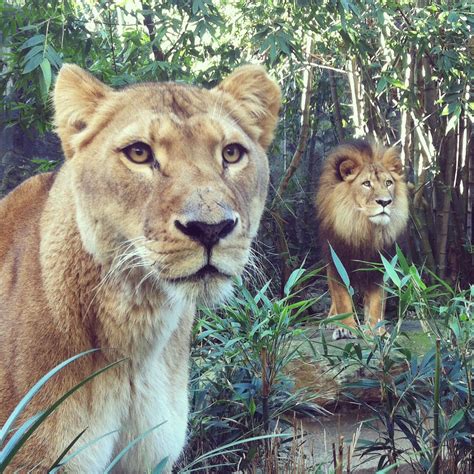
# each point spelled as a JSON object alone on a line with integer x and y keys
{"x": 153, "y": 211}
{"x": 362, "y": 208}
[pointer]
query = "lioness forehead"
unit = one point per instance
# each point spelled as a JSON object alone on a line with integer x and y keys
{"x": 181, "y": 100}
{"x": 167, "y": 113}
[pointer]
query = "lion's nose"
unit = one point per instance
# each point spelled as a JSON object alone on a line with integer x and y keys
{"x": 207, "y": 234}
{"x": 383, "y": 202}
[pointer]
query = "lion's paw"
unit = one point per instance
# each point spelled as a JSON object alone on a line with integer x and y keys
{"x": 342, "y": 333}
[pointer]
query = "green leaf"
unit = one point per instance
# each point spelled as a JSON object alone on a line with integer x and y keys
{"x": 33, "y": 391}
{"x": 77, "y": 452}
{"x": 402, "y": 260}
{"x": 335, "y": 318}
{"x": 341, "y": 270}
{"x": 293, "y": 279}
{"x": 56, "y": 463}
{"x": 452, "y": 122}
{"x": 159, "y": 468}
{"x": 129, "y": 446}
{"x": 32, "y": 41}
{"x": 46, "y": 70}
{"x": 53, "y": 57}
{"x": 381, "y": 86}
{"x": 32, "y": 52}
{"x": 13, "y": 445}
{"x": 391, "y": 271}
{"x": 456, "y": 418}
{"x": 33, "y": 63}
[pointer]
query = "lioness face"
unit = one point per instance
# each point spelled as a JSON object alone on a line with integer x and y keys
{"x": 172, "y": 179}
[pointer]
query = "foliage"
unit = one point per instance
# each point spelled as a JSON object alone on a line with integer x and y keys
{"x": 426, "y": 400}
{"x": 10, "y": 445}
{"x": 400, "y": 71}
{"x": 239, "y": 385}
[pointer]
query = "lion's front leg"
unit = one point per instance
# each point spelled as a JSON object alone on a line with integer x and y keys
{"x": 374, "y": 306}
{"x": 341, "y": 303}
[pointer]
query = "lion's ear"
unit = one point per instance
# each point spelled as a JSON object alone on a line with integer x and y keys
{"x": 391, "y": 160}
{"x": 258, "y": 96}
{"x": 76, "y": 96}
{"x": 348, "y": 169}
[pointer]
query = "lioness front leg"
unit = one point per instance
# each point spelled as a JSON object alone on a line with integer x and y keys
{"x": 341, "y": 302}
{"x": 374, "y": 306}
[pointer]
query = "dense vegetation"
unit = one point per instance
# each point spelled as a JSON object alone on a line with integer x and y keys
{"x": 401, "y": 71}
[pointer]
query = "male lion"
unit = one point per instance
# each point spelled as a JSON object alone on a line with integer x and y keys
{"x": 362, "y": 207}
{"x": 153, "y": 211}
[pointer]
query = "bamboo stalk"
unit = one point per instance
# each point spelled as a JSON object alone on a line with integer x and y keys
{"x": 445, "y": 185}
{"x": 357, "y": 101}
{"x": 436, "y": 409}
{"x": 340, "y": 456}
{"x": 337, "y": 106}
{"x": 304, "y": 132}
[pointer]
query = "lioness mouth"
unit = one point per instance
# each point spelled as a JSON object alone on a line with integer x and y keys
{"x": 200, "y": 274}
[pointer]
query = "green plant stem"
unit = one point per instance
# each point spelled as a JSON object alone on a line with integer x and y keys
{"x": 435, "y": 465}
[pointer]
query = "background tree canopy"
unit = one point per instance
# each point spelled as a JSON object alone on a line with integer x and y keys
{"x": 401, "y": 71}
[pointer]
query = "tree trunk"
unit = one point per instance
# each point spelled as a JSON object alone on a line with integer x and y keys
{"x": 337, "y": 106}
{"x": 148, "y": 22}
{"x": 304, "y": 132}
{"x": 448, "y": 152}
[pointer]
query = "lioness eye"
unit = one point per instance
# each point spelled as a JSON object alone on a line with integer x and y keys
{"x": 366, "y": 184}
{"x": 388, "y": 183}
{"x": 139, "y": 153}
{"x": 233, "y": 153}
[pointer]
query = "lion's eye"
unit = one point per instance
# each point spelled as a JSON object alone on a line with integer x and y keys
{"x": 233, "y": 153}
{"x": 139, "y": 153}
{"x": 366, "y": 184}
{"x": 388, "y": 183}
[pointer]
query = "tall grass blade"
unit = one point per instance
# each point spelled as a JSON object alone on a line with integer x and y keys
{"x": 33, "y": 391}
{"x": 130, "y": 445}
{"x": 11, "y": 448}
{"x": 82, "y": 448}
{"x": 225, "y": 448}
{"x": 160, "y": 466}
{"x": 56, "y": 463}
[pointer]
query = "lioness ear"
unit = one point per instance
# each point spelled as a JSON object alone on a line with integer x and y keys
{"x": 258, "y": 99}
{"x": 348, "y": 169}
{"x": 391, "y": 160}
{"x": 76, "y": 96}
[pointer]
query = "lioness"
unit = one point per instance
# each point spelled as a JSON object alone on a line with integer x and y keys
{"x": 362, "y": 207}
{"x": 153, "y": 211}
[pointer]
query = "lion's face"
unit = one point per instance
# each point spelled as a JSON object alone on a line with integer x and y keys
{"x": 362, "y": 197}
{"x": 373, "y": 191}
{"x": 170, "y": 180}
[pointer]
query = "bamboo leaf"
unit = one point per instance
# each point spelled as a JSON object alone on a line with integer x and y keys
{"x": 456, "y": 418}
{"x": 34, "y": 40}
{"x": 391, "y": 272}
{"x": 341, "y": 270}
{"x": 46, "y": 70}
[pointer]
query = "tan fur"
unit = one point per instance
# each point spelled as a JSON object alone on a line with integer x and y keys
{"x": 350, "y": 220}
{"x": 91, "y": 257}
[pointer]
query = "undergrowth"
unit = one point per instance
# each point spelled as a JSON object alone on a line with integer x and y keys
{"x": 246, "y": 410}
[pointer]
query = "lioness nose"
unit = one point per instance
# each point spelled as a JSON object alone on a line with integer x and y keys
{"x": 383, "y": 202}
{"x": 207, "y": 234}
